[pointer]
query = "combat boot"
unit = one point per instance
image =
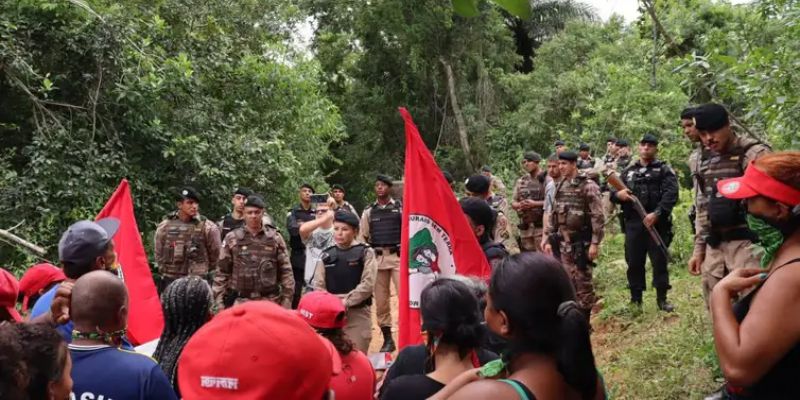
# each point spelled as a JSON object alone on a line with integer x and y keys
{"x": 661, "y": 300}
{"x": 388, "y": 342}
{"x": 636, "y": 298}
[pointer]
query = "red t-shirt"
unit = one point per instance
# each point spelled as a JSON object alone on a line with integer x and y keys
{"x": 357, "y": 380}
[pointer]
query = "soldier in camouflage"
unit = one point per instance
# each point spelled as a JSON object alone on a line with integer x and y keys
{"x": 723, "y": 241}
{"x": 234, "y": 219}
{"x": 254, "y": 262}
{"x": 479, "y": 186}
{"x": 186, "y": 243}
{"x": 585, "y": 160}
{"x": 577, "y": 227}
{"x": 528, "y": 202}
{"x": 497, "y": 186}
{"x": 687, "y": 125}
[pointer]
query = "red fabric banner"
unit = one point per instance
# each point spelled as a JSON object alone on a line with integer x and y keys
{"x": 145, "y": 319}
{"x": 436, "y": 238}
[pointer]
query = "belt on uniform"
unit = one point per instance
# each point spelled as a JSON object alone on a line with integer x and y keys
{"x": 379, "y": 250}
{"x": 257, "y": 294}
{"x": 742, "y": 233}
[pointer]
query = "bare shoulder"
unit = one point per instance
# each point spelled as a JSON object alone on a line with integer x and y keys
{"x": 485, "y": 389}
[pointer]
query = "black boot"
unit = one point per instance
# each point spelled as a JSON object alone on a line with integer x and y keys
{"x": 661, "y": 300}
{"x": 388, "y": 342}
{"x": 636, "y": 297}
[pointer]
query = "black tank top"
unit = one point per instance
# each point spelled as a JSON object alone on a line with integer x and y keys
{"x": 780, "y": 382}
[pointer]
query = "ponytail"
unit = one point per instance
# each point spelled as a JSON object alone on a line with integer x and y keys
{"x": 574, "y": 357}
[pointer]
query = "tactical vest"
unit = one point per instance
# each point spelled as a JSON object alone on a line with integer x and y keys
{"x": 296, "y": 216}
{"x": 645, "y": 183}
{"x": 385, "y": 225}
{"x": 623, "y": 162}
{"x": 723, "y": 212}
{"x": 255, "y": 263}
{"x": 343, "y": 268}
{"x": 229, "y": 224}
{"x": 531, "y": 188}
{"x": 571, "y": 212}
{"x": 184, "y": 250}
{"x": 585, "y": 164}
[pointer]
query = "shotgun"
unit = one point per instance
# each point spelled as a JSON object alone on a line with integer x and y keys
{"x": 613, "y": 179}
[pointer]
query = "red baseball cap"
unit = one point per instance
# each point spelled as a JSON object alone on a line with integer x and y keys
{"x": 37, "y": 278}
{"x": 322, "y": 310}
{"x": 755, "y": 182}
{"x": 256, "y": 350}
{"x": 9, "y": 290}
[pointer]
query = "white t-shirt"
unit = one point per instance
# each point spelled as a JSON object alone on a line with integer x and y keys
{"x": 319, "y": 240}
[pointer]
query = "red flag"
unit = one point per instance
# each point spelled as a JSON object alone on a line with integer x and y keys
{"x": 437, "y": 238}
{"x": 145, "y": 319}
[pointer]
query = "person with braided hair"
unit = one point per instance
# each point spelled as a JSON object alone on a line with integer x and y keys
{"x": 187, "y": 305}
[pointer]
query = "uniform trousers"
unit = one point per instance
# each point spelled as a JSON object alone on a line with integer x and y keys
{"x": 388, "y": 273}
{"x": 581, "y": 279}
{"x": 359, "y": 327}
{"x": 531, "y": 238}
{"x": 298, "y": 260}
{"x": 728, "y": 256}
{"x": 638, "y": 245}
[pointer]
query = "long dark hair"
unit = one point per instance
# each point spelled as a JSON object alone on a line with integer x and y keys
{"x": 537, "y": 297}
{"x": 339, "y": 340}
{"x": 450, "y": 311}
{"x": 187, "y": 306}
{"x": 45, "y": 355}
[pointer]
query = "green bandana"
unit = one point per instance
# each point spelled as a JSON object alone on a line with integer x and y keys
{"x": 770, "y": 239}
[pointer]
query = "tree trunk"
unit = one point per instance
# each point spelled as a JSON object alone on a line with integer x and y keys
{"x": 650, "y": 7}
{"x": 462, "y": 128}
{"x": 18, "y": 241}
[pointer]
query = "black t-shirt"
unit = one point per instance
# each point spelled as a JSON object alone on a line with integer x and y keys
{"x": 411, "y": 361}
{"x": 411, "y": 387}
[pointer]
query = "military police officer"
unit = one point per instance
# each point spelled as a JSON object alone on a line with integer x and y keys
{"x": 577, "y": 227}
{"x": 298, "y": 215}
{"x": 234, "y": 219}
{"x": 254, "y": 264}
{"x": 479, "y": 186}
{"x": 528, "y": 202}
{"x": 497, "y": 185}
{"x": 585, "y": 160}
{"x": 381, "y": 224}
{"x": 337, "y": 192}
{"x": 723, "y": 241}
{"x": 348, "y": 270}
{"x": 186, "y": 243}
{"x": 481, "y": 217}
{"x": 655, "y": 185}
{"x": 699, "y": 152}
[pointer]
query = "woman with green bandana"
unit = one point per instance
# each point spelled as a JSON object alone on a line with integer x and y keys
{"x": 758, "y": 339}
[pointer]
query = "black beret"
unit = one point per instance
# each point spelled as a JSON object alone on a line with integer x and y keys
{"x": 478, "y": 184}
{"x": 649, "y": 138}
{"x": 188, "y": 192}
{"x": 337, "y": 186}
{"x": 611, "y": 139}
{"x": 346, "y": 217}
{"x": 385, "y": 179}
{"x": 710, "y": 117}
{"x": 448, "y": 176}
{"x": 243, "y": 191}
{"x": 560, "y": 142}
{"x": 486, "y": 168}
{"x": 532, "y": 156}
{"x": 584, "y": 147}
{"x": 479, "y": 211}
{"x": 308, "y": 186}
{"x": 255, "y": 201}
{"x": 622, "y": 143}
{"x": 568, "y": 156}
{"x": 688, "y": 113}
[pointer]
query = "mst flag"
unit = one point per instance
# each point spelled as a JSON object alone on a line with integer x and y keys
{"x": 145, "y": 320}
{"x": 437, "y": 238}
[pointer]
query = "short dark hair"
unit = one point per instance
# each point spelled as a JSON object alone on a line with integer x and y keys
{"x": 688, "y": 113}
{"x": 530, "y": 288}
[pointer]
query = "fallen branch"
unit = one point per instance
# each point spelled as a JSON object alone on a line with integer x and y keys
{"x": 13, "y": 239}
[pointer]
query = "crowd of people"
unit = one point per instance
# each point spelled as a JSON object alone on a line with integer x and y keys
{"x": 249, "y": 316}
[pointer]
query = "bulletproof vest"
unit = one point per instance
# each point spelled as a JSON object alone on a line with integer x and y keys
{"x": 531, "y": 188}
{"x": 570, "y": 209}
{"x": 255, "y": 262}
{"x": 343, "y": 268}
{"x": 296, "y": 216}
{"x": 385, "y": 225}
{"x": 645, "y": 183}
{"x": 184, "y": 250}
{"x": 585, "y": 164}
{"x": 724, "y": 212}
{"x": 229, "y": 224}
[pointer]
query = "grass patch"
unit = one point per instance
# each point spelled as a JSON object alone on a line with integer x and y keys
{"x": 650, "y": 354}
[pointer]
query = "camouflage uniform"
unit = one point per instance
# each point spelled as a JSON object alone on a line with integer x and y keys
{"x": 577, "y": 219}
{"x": 352, "y": 279}
{"x": 185, "y": 248}
{"x": 496, "y": 185}
{"x": 503, "y": 232}
{"x": 254, "y": 267}
{"x": 722, "y": 237}
{"x": 530, "y": 221}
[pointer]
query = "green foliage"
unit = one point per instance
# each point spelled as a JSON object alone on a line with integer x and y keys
{"x": 165, "y": 94}
{"x": 469, "y": 8}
